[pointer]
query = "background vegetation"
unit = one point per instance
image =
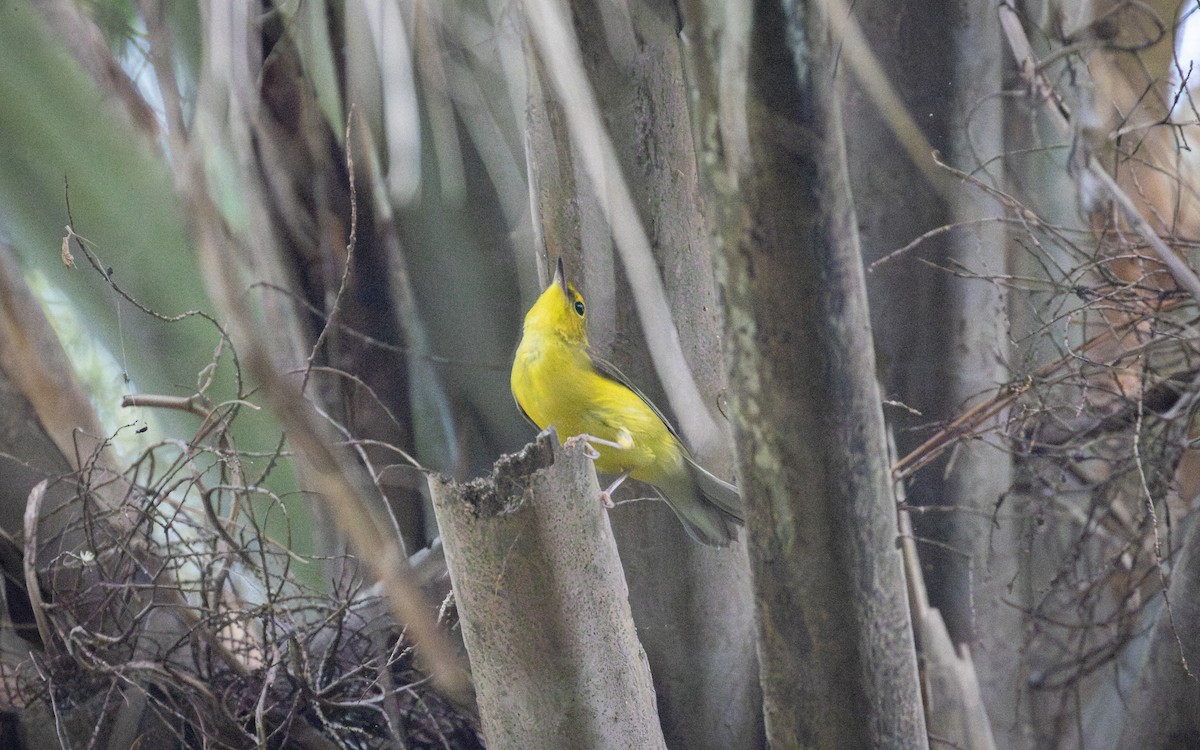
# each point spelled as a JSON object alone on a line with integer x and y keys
{"x": 918, "y": 274}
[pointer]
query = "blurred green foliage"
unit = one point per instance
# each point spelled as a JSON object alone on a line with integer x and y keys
{"x": 57, "y": 129}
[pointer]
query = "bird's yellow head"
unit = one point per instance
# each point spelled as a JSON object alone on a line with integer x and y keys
{"x": 559, "y": 311}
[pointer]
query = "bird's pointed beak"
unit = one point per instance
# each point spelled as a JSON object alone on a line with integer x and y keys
{"x": 560, "y": 276}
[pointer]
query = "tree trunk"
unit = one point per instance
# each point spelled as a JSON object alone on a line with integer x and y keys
{"x": 543, "y": 605}
{"x": 979, "y": 591}
{"x": 941, "y": 337}
{"x": 835, "y": 641}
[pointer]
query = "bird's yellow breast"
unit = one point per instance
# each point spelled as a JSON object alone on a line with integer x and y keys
{"x": 557, "y": 385}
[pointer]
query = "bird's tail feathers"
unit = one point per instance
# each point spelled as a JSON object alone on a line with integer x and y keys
{"x": 710, "y": 508}
{"x": 721, "y": 493}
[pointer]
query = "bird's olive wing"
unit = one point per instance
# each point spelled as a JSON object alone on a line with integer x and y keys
{"x": 610, "y": 371}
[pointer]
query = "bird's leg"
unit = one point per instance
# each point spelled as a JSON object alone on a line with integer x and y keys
{"x": 606, "y": 495}
{"x": 588, "y": 440}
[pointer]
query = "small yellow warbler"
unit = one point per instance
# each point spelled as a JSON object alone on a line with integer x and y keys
{"x": 556, "y": 381}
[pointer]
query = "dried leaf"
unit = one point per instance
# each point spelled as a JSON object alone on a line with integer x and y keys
{"x": 67, "y": 259}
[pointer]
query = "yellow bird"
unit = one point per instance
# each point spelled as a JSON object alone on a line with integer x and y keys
{"x": 556, "y": 381}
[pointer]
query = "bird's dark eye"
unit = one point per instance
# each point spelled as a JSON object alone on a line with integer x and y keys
{"x": 579, "y": 307}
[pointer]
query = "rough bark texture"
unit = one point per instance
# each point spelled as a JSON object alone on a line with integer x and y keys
{"x": 835, "y": 642}
{"x": 544, "y": 607}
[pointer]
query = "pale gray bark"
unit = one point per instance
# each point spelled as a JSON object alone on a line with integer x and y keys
{"x": 543, "y": 605}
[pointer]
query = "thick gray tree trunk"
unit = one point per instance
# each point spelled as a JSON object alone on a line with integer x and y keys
{"x": 544, "y": 606}
{"x": 835, "y": 642}
{"x": 942, "y": 339}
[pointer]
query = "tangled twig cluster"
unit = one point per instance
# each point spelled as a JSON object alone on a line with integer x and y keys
{"x": 165, "y": 630}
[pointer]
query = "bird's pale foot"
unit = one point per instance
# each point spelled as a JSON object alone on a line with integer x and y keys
{"x": 591, "y": 441}
{"x": 606, "y": 495}
{"x": 589, "y": 450}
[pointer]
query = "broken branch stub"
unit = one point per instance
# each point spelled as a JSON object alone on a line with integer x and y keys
{"x": 543, "y": 604}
